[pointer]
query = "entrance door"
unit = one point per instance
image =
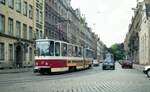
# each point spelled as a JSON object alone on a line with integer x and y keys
{"x": 19, "y": 56}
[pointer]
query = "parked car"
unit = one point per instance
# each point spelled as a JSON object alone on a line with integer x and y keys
{"x": 147, "y": 70}
{"x": 95, "y": 63}
{"x": 127, "y": 63}
{"x": 108, "y": 64}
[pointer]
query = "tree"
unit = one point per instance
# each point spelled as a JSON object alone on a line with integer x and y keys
{"x": 117, "y": 50}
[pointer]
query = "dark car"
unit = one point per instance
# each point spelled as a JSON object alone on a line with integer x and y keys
{"x": 108, "y": 64}
{"x": 127, "y": 64}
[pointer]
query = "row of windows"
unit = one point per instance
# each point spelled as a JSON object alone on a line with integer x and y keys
{"x": 40, "y": 1}
{"x": 39, "y": 11}
{"x": 25, "y": 30}
{"x": 39, "y": 19}
{"x": 51, "y": 48}
{"x": 51, "y": 18}
{"x": 39, "y": 16}
{"x": 39, "y": 5}
{"x": 21, "y": 7}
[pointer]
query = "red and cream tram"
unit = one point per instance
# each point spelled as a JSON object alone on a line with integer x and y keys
{"x": 56, "y": 56}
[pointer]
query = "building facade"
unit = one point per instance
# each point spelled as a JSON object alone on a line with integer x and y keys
{"x": 144, "y": 34}
{"x": 64, "y": 23}
{"x": 131, "y": 43}
{"x": 75, "y": 27}
{"x": 137, "y": 41}
{"x": 56, "y": 19}
{"x": 16, "y": 33}
{"x": 21, "y": 23}
{"x": 100, "y": 51}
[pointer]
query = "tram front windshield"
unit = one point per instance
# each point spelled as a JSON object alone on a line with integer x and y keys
{"x": 45, "y": 48}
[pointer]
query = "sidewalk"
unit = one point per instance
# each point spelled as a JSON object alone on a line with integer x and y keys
{"x": 18, "y": 70}
{"x": 138, "y": 67}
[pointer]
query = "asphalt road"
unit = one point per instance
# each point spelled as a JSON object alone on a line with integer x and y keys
{"x": 91, "y": 80}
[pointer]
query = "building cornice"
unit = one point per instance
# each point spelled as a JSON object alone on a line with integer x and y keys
{"x": 15, "y": 38}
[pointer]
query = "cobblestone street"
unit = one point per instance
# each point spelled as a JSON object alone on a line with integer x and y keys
{"x": 91, "y": 80}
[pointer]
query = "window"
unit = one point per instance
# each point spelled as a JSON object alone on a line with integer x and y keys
{"x": 70, "y": 50}
{"x": 2, "y": 54}
{"x": 40, "y": 34}
{"x": 41, "y": 1}
{"x": 54, "y": 20}
{"x": 2, "y": 23}
{"x": 40, "y": 16}
{"x": 25, "y": 8}
{"x": 30, "y": 54}
{"x": 76, "y": 51}
{"x": 11, "y": 3}
{"x": 89, "y": 53}
{"x": 37, "y": 15}
{"x": 51, "y": 48}
{"x": 30, "y": 33}
{"x": 10, "y": 26}
{"x": 2, "y": 1}
{"x": 37, "y": 34}
{"x": 79, "y": 52}
{"x": 30, "y": 12}
{"x": 52, "y": 2}
{"x": 57, "y": 49}
{"x": 24, "y": 31}
{"x": 18, "y": 29}
{"x": 64, "y": 49}
{"x": 10, "y": 52}
{"x": 18, "y": 6}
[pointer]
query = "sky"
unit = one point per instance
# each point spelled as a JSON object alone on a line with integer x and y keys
{"x": 107, "y": 18}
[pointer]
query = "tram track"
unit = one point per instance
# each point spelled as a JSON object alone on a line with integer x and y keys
{"x": 37, "y": 77}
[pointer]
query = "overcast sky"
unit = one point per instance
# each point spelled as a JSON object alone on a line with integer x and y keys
{"x": 107, "y": 18}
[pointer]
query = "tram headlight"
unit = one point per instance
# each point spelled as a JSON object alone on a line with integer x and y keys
{"x": 36, "y": 63}
{"x": 46, "y": 63}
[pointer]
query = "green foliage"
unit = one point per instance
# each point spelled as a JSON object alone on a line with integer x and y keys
{"x": 117, "y": 50}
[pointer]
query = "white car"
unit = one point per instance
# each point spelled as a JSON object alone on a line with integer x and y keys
{"x": 147, "y": 70}
{"x": 95, "y": 63}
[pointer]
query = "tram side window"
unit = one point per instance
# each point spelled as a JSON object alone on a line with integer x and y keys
{"x": 79, "y": 52}
{"x": 73, "y": 51}
{"x": 91, "y": 55}
{"x": 51, "y": 48}
{"x": 57, "y": 49}
{"x": 76, "y": 51}
{"x": 88, "y": 53}
{"x": 70, "y": 50}
{"x": 64, "y": 49}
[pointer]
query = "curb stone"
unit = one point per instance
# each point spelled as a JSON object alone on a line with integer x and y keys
{"x": 8, "y": 71}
